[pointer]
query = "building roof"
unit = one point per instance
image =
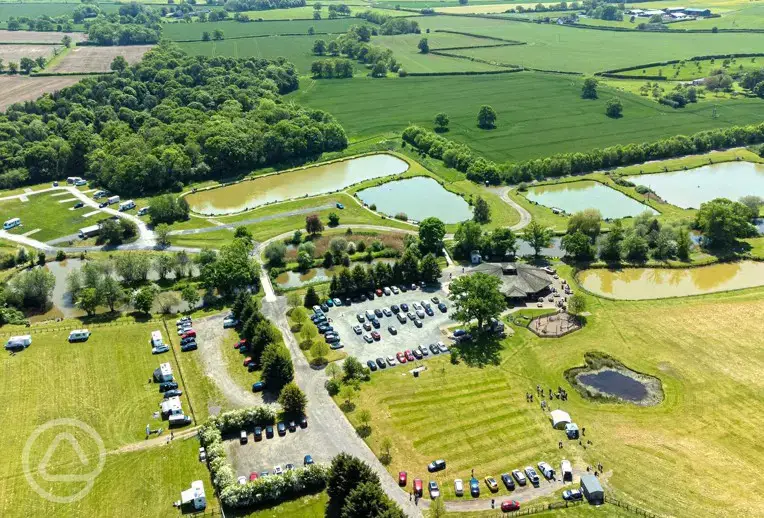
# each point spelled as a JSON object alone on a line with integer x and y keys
{"x": 591, "y": 483}
{"x": 518, "y": 280}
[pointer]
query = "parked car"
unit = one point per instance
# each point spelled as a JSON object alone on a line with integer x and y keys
{"x": 435, "y": 300}
{"x": 324, "y": 308}
{"x": 184, "y": 341}
{"x": 401, "y": 318}
{"x": 330, "y": 339}
{"x": 340, "y": 206}
{"x": 370, "y": 295}
{"x": 429, "y": 311}
{"x": 401, "y": 357}
{"x": 391, "y": 361}
{"x": 335, "y": 346}
{"x": 243, "y": 437}
{"x": 190, "y": 346}
{"x": 392, "y": 330}
{"x": 572, "y": 494}
{"x": 242, "y": 480}
{"x": 442, "y": 347}
{"x": 367, "y": 326}
{"x": 405, "y": 307}
{"x": 442, "y": 307}
{"x": 409, "y": 355}
{"x": 258, "y": 386}
{"x": 381, "y": 363}
{"x": 379, "y": 292}
{"x": 434, "y": 349}
{"x": 167, "y": 385}
{"x": 474, "y": 487}
{"x": 376, "y": 336}
{"x": 189, "y": 334}
{"x": 423, "y": 350}
{"x": 324, "y": 328}
{"x": 372, "y": 366}
{"x": 330, "y": 303}
{"x": 367, "y": 337}
{"x": 417, "y": 353}
{"x": 411, "y": 316}
{"x": 510, "y": 505}
{"x": 375, "y": 323}
{"x": 532, "y": 476}
{"x": 360, "y": 317}
{"x": 459, "y": 332}
{"x": 434, "y": 489}
{"x": 458, "y": 487}
{"x": 247, "y": 361}
{"x": 103, "y": 204}
{"x": 378, "y": 312}
{"x": 230, "y": 322}
{"x": 303, "y": 422}
{"x": 307, "y": 461}
{"x": 387, "y": 312}
{"x": 546, "y": 470}
{"x": 79, "y": 205}
{"x": 508, "y": 482}
{"x": 395, "y": 290}
{"x": 403, "y": 288}
{"x": 252, "y": 476}
{"x": 282, "y": 429}
{"x": 264, "y": 473}
{"x": 277, "y": 470}
{"x": 387, "y": 291}
{"x": 288, "y": 466}
{"x": 417, "y": 322}
{"x": 173, "y": 393}
{"x": 357, "y": 330}
{"x": 159, "y": 349}
{"x": 519, "y": 476}
{"x": 269, "y": 431}
{"x": 416, "y": 306}
{"x": 258, "y": 433}
{"x": 419, "y": 313}
{"x": 436, "y": 465}
{"x": 337, "y": 302}
{"x": 395, "y": 308}
{"x": 418, "y": 487}
{"x": 402, "y": 478}
{"x": 493, "y": 486}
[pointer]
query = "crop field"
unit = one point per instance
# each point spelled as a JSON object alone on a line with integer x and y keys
{"x": 15, "y": 89}
{"x": 16, "y": 52}
{"x": 98, "y": 59}
{"x": 297, "y": 49}
{"x": 232, "y": 29}
{"x": 551, "y": 47}
{"x": 38, "y": 36}
{"x": 538, "y": 114}
{"x": 705, "y": 352}
{"x": 47, "y": 213}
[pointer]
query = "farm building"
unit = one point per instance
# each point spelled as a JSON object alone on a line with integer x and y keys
{"x": 592, "y": 490}
{"x": 692, "y": 11}
{"x": 518, "y": 280}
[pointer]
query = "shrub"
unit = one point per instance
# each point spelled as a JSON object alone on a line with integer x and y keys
{"x": 402, "y": 216}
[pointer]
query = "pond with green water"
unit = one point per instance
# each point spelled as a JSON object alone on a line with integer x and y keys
{"x": 311, "y": 181}
{"x": 572, "y": 197}
{"x": 657, "y": 283}
{"x": 418, "y": 198}
{"x": 689, "y": 189}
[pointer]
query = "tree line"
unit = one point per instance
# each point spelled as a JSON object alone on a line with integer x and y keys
{"x": 390, "y": 25}
{"x": 133, "y": 24}
{"x": 167, "y": 121}
{"x": 355, "y": 44}
{"x": 25, "y": 65}
{"x": 480, "y": 170}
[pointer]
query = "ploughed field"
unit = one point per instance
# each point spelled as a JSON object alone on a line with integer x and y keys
{"x": 98, "y": 59}
{"x": 15, "y": 89}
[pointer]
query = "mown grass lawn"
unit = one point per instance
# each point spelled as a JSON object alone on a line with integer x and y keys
{"x": 233, "y": 29}
{"x": 46, "y": 212}
{"x": 309, "y": 506}
{"x": 665, "y": 458}
{"x": 104, "y": 383}
{"x": 538, "y": 114}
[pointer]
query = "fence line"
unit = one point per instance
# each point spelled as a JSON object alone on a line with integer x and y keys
{"x": 44, "y": 329}
{"x": 631, "y": 507}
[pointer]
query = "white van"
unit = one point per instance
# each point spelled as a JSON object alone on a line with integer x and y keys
{"x": 79, "y": 335}
{"x": 12, "y": 223}
{"x": 113, "y": 199}
{"x": 126, "y": 205}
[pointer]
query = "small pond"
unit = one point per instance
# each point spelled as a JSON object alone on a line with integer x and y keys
{"x": 576, "y": 196}
{"x": 418, "y": 198}
{"x": 311, "y": 181}
{"x": 656, "y": 283}
{"x": 614, "y": 383}
{"x": 689, "y": 189}
{"x": 554, "y": 250}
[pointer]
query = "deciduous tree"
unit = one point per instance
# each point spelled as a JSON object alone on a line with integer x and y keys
{"x": 480, "y": 298}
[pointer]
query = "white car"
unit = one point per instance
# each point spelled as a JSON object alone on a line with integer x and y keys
{"x": 396, "y": 290}
{"x": 391, "y": 361}
{"x": 458, "y": 487}
{"x": 434, "y": 489}
{"x": 184, "y": 329}
{"x": 367, "y": 337}
{"x": 442, "y": 347}
{"x": 277, "y": 470}
{"x": 242, "y": 480}
{"x": 160, "y": 349}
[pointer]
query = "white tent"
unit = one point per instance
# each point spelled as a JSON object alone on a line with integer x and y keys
{"x": 560, "y": 418}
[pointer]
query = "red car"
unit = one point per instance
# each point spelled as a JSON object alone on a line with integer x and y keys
{"x": 189, "y": 334}
{"x": 401, "y": 357}
{"x": 252, "y": 476}
{"x": 510, "y": 505}
{"x": 247, "y": 361}
{"x": 379, "y": 292}
{"x": 410, "y": 355}
{"x": 240, "y": 343}
{"x": 375, "y": 335}
{"x": 402, "y": 478}
{"x": 418, "y": 487}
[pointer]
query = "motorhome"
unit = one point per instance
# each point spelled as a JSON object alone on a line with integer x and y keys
{"x": 91, "y": 231}
{"x": 156, "y": 338}
{"x": 126, "y": 205}
{"x": 112, "y": 200}
{"x": 79, "y": 335}
{"x": 163, "y": 373}
{"x": 12, "y": 223}
{"x": 72, "y": 180}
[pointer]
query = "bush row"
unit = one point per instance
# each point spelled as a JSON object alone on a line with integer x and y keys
{"x": 460, "y": 157}
{"x": 472, "y": 58}
{"x": 481, "y": 36}
{"x": 473, "y": 47}
{"x": 465, "y": 73}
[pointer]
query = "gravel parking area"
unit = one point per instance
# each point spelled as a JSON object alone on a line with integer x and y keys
{"x": 408, "y": 337}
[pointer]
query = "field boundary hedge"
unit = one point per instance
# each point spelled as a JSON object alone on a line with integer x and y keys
{"x": 253, "y": 36}
{"x": 441, "y": 49}
{"x": 481, "y": 36}
{"x": 476, "y": 60}
{"x": 614, "y": 71}
{"x": 466, "y": 73}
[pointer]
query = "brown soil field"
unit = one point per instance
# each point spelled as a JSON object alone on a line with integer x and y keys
{"x": 14, "y": 89}
{"x": 16, "y": 52}
{"x": 38, "y": 37}
{"x": 98, "y": 59}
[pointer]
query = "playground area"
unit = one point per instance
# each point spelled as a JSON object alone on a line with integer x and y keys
{"x": 554, "y": 325}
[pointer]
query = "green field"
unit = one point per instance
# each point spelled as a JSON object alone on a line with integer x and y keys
{"x": 552, "y": 47}
{"x": 687, "y": 70}
{"x": 232, "y": 29}
{"x": 44, "y": 211}
{"x": 538, "y": 114}
{"x": 102, "y": 383}
{"x": 35, "y": 9}
{"x": 297, "y": 49}
{"x": 666, "y": 458}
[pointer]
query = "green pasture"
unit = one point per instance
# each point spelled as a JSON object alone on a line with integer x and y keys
{"x": 665, "y": 458}
{"x": 538, "y": 114}
{"x": 309, "y": 506}
{"x": 688, "y": 70}
{"x": 297, "y": 49}
{"x": 36, "y": 9}
{"x": 746, "y": 18}
{"x": 233, "y": 29}
{"x": 44, "y": 211}
{"x": 552, "y": 47}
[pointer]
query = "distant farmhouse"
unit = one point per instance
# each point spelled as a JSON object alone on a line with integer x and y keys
{"x": 671, "y": 13}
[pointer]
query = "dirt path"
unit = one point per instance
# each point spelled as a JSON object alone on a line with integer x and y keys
{"x": 156, "y": 442}
{"x": 210, "y": 333}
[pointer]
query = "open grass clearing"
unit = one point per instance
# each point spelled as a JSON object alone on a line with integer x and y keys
{"x": 702, "y": 348}
{"x": 538, "y": 114}
{"x": 17, "y": 89}
{"x": 98, "y": 59}
{"x": 233, "y": 29}
{"x": 47, "y": 213}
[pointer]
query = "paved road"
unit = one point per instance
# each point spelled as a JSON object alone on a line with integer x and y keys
{"x": 221, "y": 226}
{"x": 336, "y": 432}
{"x": 525, "y": 216}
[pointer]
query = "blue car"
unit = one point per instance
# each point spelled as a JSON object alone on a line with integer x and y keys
{"x": 330, "y": 303}
{"x": 308, "y": 460}
{"x": 340, "y": 206}
{"x": 258, "y": 386}
{"x": 474, "y": 487}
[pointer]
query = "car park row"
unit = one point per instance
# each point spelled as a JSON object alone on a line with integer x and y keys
{"x": 267, "y": 432}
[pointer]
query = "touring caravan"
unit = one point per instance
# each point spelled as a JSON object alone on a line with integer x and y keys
{"x": 112, "y": 200}
{"x": 79, "y": 335}
{"x": 92, "y": 230}
{"x": 126, "y": 205}
{"x": 18, "y": 343}
{"x": 12, "y": 223}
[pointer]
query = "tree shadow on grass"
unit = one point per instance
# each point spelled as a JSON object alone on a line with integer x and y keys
{"x": 481, "y": 350}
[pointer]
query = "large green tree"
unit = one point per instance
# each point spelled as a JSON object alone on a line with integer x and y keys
{"x": 588, "y": 221}
{"x": 277, "y": 366}
{"x": 345, "y": 474}
{"x": 480, "y": 298}
{"x": 468, "y": 237}
{"x": 722, "y": 222}
{"x": 537, "y": 236}
{"x": 431, "y": 234}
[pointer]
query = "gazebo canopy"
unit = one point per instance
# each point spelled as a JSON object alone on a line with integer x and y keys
{"x": 560, "y": 417}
